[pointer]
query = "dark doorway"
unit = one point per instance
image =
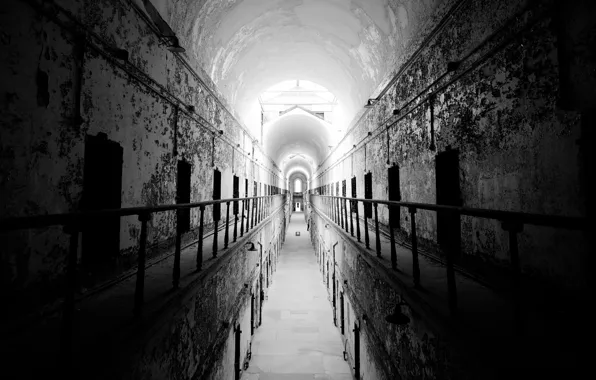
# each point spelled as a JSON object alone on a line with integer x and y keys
{"x": 216, "y": 194}
{"x": 448, "y": 193}
{"x": 236, "y": 193}
{"x": 394, "y": 194}
{"x": 246, "y": 192}
{"x": 354, "y": 194}
{"x": 102, "y": 189}
{"x": 183, "y": 194}
{"x": 368, "y": 194}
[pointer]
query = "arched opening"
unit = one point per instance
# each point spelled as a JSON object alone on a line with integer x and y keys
{"x": 298, "y": 185}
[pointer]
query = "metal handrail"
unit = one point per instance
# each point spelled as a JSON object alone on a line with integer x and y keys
{"x": 257, "y": 212}
{"x": 40, "y": 221}
{"x": 567, "y": 222}
{"x": 335, "y": 208}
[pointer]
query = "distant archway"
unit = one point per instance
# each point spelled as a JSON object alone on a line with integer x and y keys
{"x": 298, "y": 185}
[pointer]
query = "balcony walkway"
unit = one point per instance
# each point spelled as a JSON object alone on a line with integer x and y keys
{"x": 484, "y": 316}
{"x": 297, "y": 339}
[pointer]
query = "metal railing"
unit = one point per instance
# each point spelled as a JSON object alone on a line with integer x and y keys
{"x": 343, "y": 211}
{"x": 254, "y": 210}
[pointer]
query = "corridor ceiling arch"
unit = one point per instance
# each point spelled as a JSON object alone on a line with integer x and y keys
{"x": 298, "y": 133}
{"x": 246, "y": 46}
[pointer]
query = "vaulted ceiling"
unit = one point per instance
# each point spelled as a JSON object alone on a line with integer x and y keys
{"x": 247, "y": 46}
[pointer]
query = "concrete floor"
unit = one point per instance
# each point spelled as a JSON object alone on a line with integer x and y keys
{"x": 297, "y": 339}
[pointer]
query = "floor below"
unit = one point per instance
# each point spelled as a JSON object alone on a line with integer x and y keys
{"x": 297, "y": 338}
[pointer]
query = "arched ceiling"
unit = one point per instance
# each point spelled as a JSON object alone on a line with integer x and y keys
{"x": 297, "y": 134}
{"x": 246, "y": 46}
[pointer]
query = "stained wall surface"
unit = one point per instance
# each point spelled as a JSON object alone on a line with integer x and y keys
{"x": 501, "y": 111}
{"x": 58, "y": 90}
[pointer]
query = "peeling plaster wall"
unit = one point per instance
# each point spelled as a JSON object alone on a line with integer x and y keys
{"x": 191, "y": 341}
{"x": 517, "y": 148}
{"x": 133, "y": 102}
{"x": 416, "y": 351}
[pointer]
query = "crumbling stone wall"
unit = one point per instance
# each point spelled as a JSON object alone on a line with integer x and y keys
{"x": 419, "y": 350}
{"x": 501, "y": 110}
{"x": 141, "y": 102}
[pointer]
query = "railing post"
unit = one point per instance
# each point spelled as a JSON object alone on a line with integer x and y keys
{"x": 392, "y": 240}
{"x": 357, "y": 221}
{"x": 254, "y": 209}
{"x": 351, "y": 204}
{"x": 227, "y": 233}
{"x": 200, "y": 244}
{"x": 366, "y": 237}
{"x": 249, "y": 215}
{"x": 215, "y": 233}
{"x": 341, "y": 212}
{"x": 415, "y": 262}
{"x": 141, "y": 262}
{"x": 261, "y": 209}
{"x": 378, "y": 237}
{"x": 236, "y": 222}
{"x": 345, "y": 204}
{"x": 513, "y": 228}
{"x": 242, "y": 218}
{"x": 68, "y": 308}
{"x": 176, "y": 274}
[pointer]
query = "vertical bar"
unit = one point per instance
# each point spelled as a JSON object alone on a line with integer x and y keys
{"x": 345, "y": 205}
{"x": 227, "y": 233}
{"x": 215, "y": 234}
{"x": 242, "y": 219}
{"x": 249, "y": 215}
{"x": 236, "y": 224}
{"x": 356, "y": 350}
{"x": 378, "y": 237}
{"x": 200, "y": 244}
{"x": 261, "y": 209}
{"x": 415, "y": 262}
{"x": 514, "y": 228}
{"x": 176, "y": 274}
{"x": 254, "y": 212}
{"x": 351, "y": 203}
{"x": 237, "y": 333}
{"x": 366, "y": 237}
{"x": 140, "y": 284}
{"x": 357, "y": 221}
{"x": 69, "y": 299}
{"x": 392, "y": 241}
{"x": 341, "y": 212}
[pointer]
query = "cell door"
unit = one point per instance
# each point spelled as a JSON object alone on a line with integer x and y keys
{"x": 448, "y": 193}
{"x": 354, "y": 194}
{"x": 236, "y": 193}
{"x": 183, "y": 194}
{"x": 216, "y": 194}
{"x": 368, "y": 194}
{"x": 246, "y": 192}
{"x": 394, "y": 194}
{"x": 102, "y": 189}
